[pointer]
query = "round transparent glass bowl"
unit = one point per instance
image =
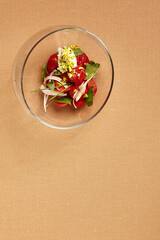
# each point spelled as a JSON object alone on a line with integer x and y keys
{"x": 28, "y": 67}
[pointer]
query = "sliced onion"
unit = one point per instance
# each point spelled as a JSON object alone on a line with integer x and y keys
{"x": 52, "y": 93}
{"x": 74, "y": 104}
{"x": 45, "y": 101}
{"x": 75, "y": 94}
{"x": 52, "y": 73}
{"x": 81, "y": 91}
{"x": 58, "y": 79}
{"x": 51, "y": 78}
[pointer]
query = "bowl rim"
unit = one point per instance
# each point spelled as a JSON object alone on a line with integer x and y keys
{"x": 57, "y": 29}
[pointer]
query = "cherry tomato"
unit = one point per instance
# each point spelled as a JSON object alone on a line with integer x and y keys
{"x": 79, "y": 103}
{"x": 59, "y": 104}
{"x": 52, "y": 63}
{"x": 76, "y": 87}
{"x": 78, "y": 75}
{"x": 73, "y": 89}
{"x": 64, "y": 76}
{"x": 68, "y": 89}
{"x": 92, "y": 83}
{"x": 47, "y": 73}
{"x": 82, "y": 60}
{"x": 61, "y": 88}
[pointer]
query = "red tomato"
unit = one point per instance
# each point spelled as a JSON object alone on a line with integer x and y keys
{"x": 72, "y": 89}
{"x": 79, "y": 103}
{"x": 64, "y": 75}
{"x": 59, "y": 104}
{"x": 52, "y": 63}
{"x": 82, "y": 59}
{"x": 68, "y": 89}
{"x": 92, "y": 83}
{"x": 78, "y": 75}
{"x": 47, "y": 73}
{"x": 72, "y": 92}
{"x": 61, "y": 88}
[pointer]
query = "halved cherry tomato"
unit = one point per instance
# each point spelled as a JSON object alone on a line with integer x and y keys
{"x": 60, "y": 88}
{"x": 92, "y": 83}
{"x": 67, "y": 89}
{"x": 59, "y": 104}
{"x": 79, "y": 103}
{"x": 78, "y": 75}
{"x": 47, "y": 73}
{"x": 73, "y": 89}
{"x": 52, "y": 62}
{"x": 64, "y": 76}
{"x": 82, "y": 60}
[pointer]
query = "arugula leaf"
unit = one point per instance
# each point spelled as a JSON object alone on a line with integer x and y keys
{"x": 59, "y": 93}
{"x": 51, "y": 85}
{"x": 63, "y": 100}
{"x": 44, "y": 71}
{"x": 91, "y": 69}
{"x": 77, "y": 51}
{"x": 89, "y": 100}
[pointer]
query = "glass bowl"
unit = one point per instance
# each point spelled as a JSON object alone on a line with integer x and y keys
{"x": 29, "y": 64}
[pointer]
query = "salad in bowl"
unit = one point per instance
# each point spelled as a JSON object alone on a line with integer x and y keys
{"x": 77, "y": 77}
{"x": 69, "y": 78}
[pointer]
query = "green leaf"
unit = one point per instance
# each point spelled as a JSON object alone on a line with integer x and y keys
{"x": 59, "y": 93}
{"x": 48, "y": 88}
{"x": 63, "y": 100}
{"x": 39, "y": 90}
{"x": 44, "y": 71}
{"x": 57, "y": 73}
{"x": 89, "y": 100}
{"x": 91, "y": 69}
{"x": 77, "y": 51}
{"x": 51, "y": 85}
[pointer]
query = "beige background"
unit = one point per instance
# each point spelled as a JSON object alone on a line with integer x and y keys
{"x": 100, "y": 181}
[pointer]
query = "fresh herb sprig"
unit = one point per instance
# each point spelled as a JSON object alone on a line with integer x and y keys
{"x": 40, "y": 90}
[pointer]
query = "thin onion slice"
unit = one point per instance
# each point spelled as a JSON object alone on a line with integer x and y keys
{"x": 74, "y": 104}
{"x": 52, "y": 73}
{"x": 45, "y": 101}
{"x": 58, "y": 79}
{"x": 52, "y": 93}
{"x": 81, "y": 91}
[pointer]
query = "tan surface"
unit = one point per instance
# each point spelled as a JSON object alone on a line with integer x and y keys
{"x": 100, "y": 181}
